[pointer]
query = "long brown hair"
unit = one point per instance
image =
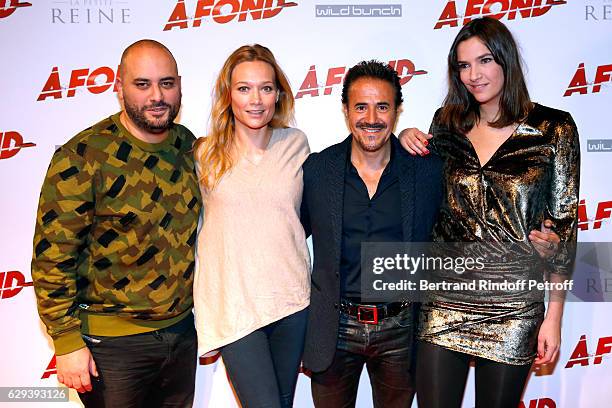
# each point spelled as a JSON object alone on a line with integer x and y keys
{"x": 461, "y": 111}
{"x": 213, "y": 153}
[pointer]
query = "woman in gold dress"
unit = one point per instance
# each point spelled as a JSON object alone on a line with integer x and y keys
{"x": 509, "y": 165}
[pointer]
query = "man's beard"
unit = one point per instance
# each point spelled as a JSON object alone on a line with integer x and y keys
{"x": 377, "y": 144}
{"x": 158, "y": 126}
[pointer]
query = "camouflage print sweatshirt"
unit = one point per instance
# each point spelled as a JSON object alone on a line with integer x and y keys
{"x": 115, "y": 233}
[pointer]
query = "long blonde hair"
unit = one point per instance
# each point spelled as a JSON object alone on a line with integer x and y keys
{"x": 213, "y": 153}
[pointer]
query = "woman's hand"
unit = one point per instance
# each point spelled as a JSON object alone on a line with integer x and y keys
{"x": 414, "y": 141}
{"x": 546, "y": 241}
{"x": 549, "y": 340}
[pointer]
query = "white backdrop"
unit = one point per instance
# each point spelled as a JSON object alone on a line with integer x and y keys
{"x": 59, "y": 59}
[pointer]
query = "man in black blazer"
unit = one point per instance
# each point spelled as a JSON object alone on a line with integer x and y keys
{"x": 364, "y": 189}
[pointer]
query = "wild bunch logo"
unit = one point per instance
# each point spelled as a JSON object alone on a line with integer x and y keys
{"x": 599, "y": 145}
{"x": 498, "y": 9}
{"x": 358, "y": 10}
{"x": 95, "y": 81}
{"x": 334, "y": 77}
{"x": 11, "y": 143}
{"x": 225, "y": 11}
{"x": 8, "y": 7}
{"x": 580, "y": 84}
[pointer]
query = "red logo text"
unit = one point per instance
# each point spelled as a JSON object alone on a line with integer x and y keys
{"x": 602, "y": 214}
{"x": 11, "y": 143}
{"x": 497, "y": 9}
{"x": 580, "y": 356}
{"x": 97, "y": 81}
{"x": 13, "y": 5}
{"x": 539, "y": 403}
{"x": 579, "y": 83}
{"x": 12, "y": 283}
{"x": 334, "y": 77}
{"x": 225, "y": 11}
{"x": 50, "y": 370}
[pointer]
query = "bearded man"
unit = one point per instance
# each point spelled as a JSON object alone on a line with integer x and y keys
{"x": 114, "y": 245}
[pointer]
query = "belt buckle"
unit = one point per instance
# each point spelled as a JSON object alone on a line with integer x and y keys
{"x": 368, "y": 309}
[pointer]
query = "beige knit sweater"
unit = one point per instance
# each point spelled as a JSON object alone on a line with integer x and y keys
{"x": 253, "y": 265}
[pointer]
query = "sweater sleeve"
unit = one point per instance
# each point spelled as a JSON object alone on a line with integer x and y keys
{"x": 63, "y": 221}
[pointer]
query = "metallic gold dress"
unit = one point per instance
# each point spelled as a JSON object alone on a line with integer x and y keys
{"x": 534, "y": 175}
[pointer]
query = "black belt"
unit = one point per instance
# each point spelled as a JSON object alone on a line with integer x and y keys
{"x": 372, "y": 314}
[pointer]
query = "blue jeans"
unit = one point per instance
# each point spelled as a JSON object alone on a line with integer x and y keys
{"x": 154, "y": 369}
{"x": 264, "y": 365}
{"x": 385, "y": 348}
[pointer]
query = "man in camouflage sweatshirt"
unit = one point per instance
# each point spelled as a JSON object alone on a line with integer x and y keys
{"x": 114, "y": 245}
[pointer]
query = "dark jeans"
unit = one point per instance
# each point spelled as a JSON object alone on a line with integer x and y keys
{"x": 264, "y": 365}
{"x": 154, "y": 369}
{"x": 385, "y": 348}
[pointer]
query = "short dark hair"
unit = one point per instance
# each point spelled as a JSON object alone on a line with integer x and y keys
{"x": 461, "y": 111}
{"x": 376, "y": 70}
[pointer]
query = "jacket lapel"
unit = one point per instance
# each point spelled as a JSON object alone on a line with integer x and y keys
{"x": 335, "y": 179}
{"x": 407, "y": 182}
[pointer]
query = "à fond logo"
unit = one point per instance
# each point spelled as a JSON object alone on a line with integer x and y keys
{"x": 498, "y": 9}
{"x": 225, "y": 11}
{"x": 11, "y": 143}
{"x": 539, "y": 403}
{"x": 580, "y": 84}
{"x": 95, "y": 81}
{"x": 334, "y": 77}
{"x": 12, "y": 283}
{"x": 580, "y": 356}
{"x": 602, "y": 215}
{"x": 8, "y": 9}
{"x": 51, "y": 368}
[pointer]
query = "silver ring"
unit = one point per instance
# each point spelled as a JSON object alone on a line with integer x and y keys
{"x": 551, "y": 245}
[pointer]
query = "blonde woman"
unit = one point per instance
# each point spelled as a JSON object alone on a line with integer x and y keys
{"x": 252, "y": 286}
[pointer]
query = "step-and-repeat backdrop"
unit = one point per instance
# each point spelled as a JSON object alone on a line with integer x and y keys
{"x": 58, "y": 68}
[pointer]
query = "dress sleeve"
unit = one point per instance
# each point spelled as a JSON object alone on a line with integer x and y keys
{"x": 434, "y": 130}
{"x": 63, "y": 221}
{"x": 562, "y": 200}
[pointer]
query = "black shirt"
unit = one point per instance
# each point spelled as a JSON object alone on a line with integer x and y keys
{"x": 367, "y": 220}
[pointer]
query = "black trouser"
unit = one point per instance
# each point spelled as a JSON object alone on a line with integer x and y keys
{"x": 442, "y": 373}
{"x": 154, "y": 369}
{"x": 385, "y": 349}
{"x": 263, "y": 366}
